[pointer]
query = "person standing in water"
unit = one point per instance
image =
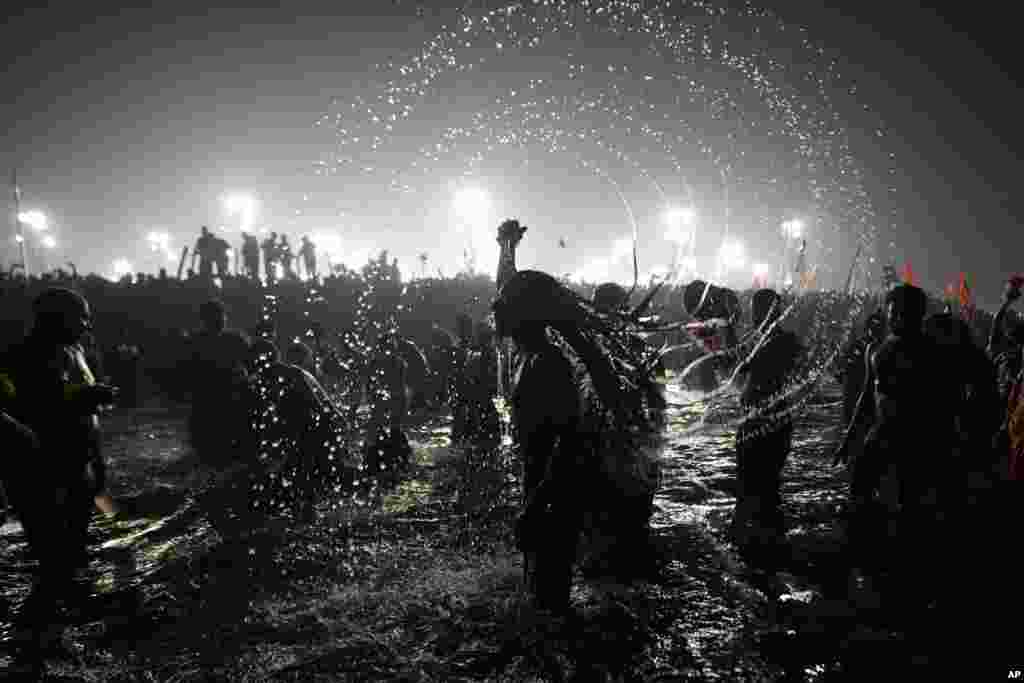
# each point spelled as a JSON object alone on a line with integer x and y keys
{"x": 765, "y": 436}
{"x": 53, "y": 494}
{"x": 568, "y": 466}
{"x": 911, "y": 404}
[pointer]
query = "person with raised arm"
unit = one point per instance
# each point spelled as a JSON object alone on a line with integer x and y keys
{"x": 575, "y": 423}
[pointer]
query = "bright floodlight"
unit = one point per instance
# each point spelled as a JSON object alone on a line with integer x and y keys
{"x": 158, "y": 241}
{"x": 122, "y": 267}
{"x": 761, "y": 270}
{"x": 34, "y": 219}
{"x": 793, "y": 229}
{"x": 329, "y": 243}
{"x": 732, "y": 255}
{"x": 472, "y": 205}
{"x": 245, "y": 206}
{"x": 19, "y": 239}
{"x": 49, "y": 242}
{"x": 678, "y": 220}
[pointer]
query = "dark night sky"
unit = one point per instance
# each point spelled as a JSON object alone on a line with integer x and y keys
{"x": 122, "y": 122}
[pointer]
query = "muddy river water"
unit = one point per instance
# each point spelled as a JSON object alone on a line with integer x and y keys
{"x": 714, "y": 614}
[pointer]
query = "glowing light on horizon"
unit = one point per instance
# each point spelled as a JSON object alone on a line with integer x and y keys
{"x": 473, "y": 207}
{"x": 122, "y": 267}
{"x": 245, "y": 206}
{"x": 761, "y": 270}
{"x": 161, "y": 242}
{"x": 34, "y": 219}
{"x": 49, "y": 242}
{"x": 793, "y": 229}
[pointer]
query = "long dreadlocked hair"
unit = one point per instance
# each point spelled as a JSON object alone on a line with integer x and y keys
{"x": 616, "y": 374}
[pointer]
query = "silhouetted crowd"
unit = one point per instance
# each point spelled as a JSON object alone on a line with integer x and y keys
{"x": 928, "y": 411}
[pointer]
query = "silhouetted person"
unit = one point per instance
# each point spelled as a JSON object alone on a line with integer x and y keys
{"x": 204, "y": 251}
{"x": 853, "y": 374}
{"x": 481, "y": 368}
{"x": 299, "y": 433}
{"x": 387, "y": 450}
{"x": 911, "y": 403}
{"x": 53, "y": 492}
{"x": 764, "y": 438}
{"x": 979, "y": 411}
{"x": 572, "y": 461}
{"x": 458, "y": 376}
{"x": 308, "y": 253}
{"x": 270, "y": 256}
{"x": 284, "y": 251}
{"x": 220, "y": 249}
{"x": 218, "y": 379}
{"x": 251, "y": 256}
{"x": 442, "y": 349}
{"x": 1005, "y": 349}
{"x": 609, "y": 297}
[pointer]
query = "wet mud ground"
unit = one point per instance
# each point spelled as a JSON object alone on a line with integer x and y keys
{"x": 422, "y": 584}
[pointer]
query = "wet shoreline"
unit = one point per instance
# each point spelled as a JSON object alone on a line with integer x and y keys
{"x": 168, "y": 574}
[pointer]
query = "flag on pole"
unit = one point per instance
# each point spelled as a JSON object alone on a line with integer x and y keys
{"x": 966, "y": 308}
{"x": 950, "y": 296}
{"x": 808, "y": 279}
{"x": 908, "y": 274}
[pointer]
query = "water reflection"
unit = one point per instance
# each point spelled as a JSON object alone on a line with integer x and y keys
{"x": 720, "y": 617}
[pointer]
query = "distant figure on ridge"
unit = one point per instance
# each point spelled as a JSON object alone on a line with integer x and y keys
{"x": 308, "y": 253}
{"x": 251, "y": 256}
{"x": 270, "y": 257}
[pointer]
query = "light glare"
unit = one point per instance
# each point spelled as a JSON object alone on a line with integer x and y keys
{"x": 34, "y": 219}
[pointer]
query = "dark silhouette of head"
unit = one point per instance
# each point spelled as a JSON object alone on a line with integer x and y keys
{"x": 204, "y": 231}
{"x": 531, "y": 302}
{"x": 906, "y": 306}
{"x": 273, "y": 235}
{"x": 61, "y": 316}
{"x": 284, "y": 239}
{"x": 609, "y": 297}
{"x": 948, "y": 330}
{"x": 300, "y": 355}
{"x": 765, "y": 307}
{"x": 213, "y": 316}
